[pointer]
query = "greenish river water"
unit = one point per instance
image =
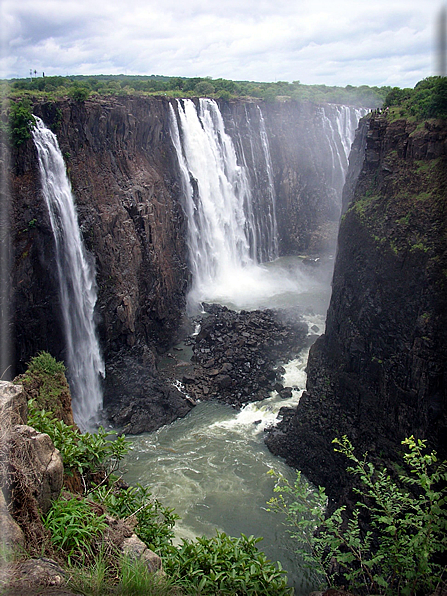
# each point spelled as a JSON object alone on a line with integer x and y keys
{"x": 212, "y": 466}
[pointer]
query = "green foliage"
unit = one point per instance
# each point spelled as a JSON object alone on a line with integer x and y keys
{"x": 21, "y": 121}
{"x": 74, "y": 527}
{"x": 44, "y": 379}
{"x": 45, "y": 363}
{"x": 78, "y": 86}
{"x": 79, "y": 93}
{"x": 427, "y": 100}
{"x": 128, "y": 577}
{"x": 403, "y": 512}
{"x": 204, "y": 89}
{"x": 80, "y": 451}
{"x": 227, "y": 566}
{"x": 155, "y": 522}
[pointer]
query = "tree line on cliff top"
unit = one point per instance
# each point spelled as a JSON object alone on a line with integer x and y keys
{"x": 57, "y": 86}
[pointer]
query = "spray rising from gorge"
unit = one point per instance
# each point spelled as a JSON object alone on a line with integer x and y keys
{"x": 76, "y": 278}
{"x": 232, "y": 229}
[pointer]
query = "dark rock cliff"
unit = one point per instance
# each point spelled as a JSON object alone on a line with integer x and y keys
{"x": 121, "y": 165}
{"x": 124, "y": 174}
{"x": 307, "y": 195}
{"x": 378, "y": 374}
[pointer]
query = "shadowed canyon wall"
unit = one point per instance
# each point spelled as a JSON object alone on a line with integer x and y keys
{"x": 378, "y": 373}
{"x": 125, "y": 176}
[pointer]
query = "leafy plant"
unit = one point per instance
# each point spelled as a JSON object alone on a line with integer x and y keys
{"x": 225, "y": 565}
{"x": 155, "y": 522}
{"x": 21, "y": 121}
{"x": 80, "y": 451}
{"x": 401, "y": 549}
{"x": 44, "y": 362}
{"x": 74, "y": 526}
{"x": 79, "y": 93}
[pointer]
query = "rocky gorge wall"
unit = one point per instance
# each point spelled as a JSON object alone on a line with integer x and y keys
{"x": 124, "y": 172}
{"x": 378, "y": 374}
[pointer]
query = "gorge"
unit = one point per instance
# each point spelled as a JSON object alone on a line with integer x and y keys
{"x": 377, "y": 374}
{"x": 286, "y": 162}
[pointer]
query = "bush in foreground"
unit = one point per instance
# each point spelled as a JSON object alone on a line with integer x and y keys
{"x": 395, "y": 540}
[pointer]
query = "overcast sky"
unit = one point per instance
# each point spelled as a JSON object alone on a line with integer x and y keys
{"x": 355, "y": 42}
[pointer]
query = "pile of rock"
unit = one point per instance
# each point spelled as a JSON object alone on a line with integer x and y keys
{"x": 236, "y": 354}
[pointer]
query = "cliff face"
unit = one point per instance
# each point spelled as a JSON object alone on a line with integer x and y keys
{"x": 120, "y": 162}
{"x": 124, "y": 173}
{"x": 378, "y": 372}
{"x": 305, "y": 168}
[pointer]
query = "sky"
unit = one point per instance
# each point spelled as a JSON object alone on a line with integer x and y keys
{"x": 344, "y": 42}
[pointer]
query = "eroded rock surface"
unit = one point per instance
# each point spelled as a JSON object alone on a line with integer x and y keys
{"x": 378, "y": 373}
{"x": 236, "y": 354}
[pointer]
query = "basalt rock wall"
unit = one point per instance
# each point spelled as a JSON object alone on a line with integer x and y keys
{"x": 378, "y": 373}
{"x": 307, "y": 176}
{"x": 124, "y": 173}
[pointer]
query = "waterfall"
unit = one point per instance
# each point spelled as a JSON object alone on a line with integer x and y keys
{"x": 339, "y": 125}
{"x": 227, "y": 236}
{"x": 76, "y": 277}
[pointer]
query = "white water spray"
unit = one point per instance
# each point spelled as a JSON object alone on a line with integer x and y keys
{"x": 223, "y": 231}
{"x": 232, "y": 229}
{"x": 76, "y": 276}
{"x": 339, "y": 124}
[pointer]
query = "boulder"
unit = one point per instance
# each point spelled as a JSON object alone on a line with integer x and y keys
{"x": 13, "y": 404}
{"x": 40, "y": 461}
{"x": 136, "y": 549}
{"x": 40, "y": 572}
{"x": 12, "y": 535}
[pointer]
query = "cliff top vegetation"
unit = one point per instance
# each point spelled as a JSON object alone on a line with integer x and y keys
{"x": 80, "y": 87}
{"x": 427, "y": 100}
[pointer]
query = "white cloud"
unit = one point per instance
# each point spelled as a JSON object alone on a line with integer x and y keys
{"x": 346, "y": 42}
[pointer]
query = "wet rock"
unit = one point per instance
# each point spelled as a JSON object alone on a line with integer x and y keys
{"x": 235, "y": 358}
{"x": 139, "y": 399}
{"x": 377, "y": 375}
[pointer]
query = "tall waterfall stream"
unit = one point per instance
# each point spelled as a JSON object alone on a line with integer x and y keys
{"x": 76, "y": 277}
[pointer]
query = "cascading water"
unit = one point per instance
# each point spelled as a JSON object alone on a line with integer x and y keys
{"x": 212, "y": 466}
{"x": 76, "y": 276}
{"x": 339, "y": 124}
{"x": 232, "y": 230}
{"x": 225, "y": 234}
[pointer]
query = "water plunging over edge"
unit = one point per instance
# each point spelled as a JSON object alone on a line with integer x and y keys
{"x": 76, "y": 278}
{"x": 227, "y": 238}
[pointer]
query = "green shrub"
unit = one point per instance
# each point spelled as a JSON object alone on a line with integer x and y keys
{"x": 80, "y": 451}
{"x": 45, "y": 381}
{"x": 427, "y": 100}
{"x": 225, "y": 565}
{"x": 74, "y": 527}
{"x": 405, "y": 540}
{"x": 79, "y": 93}
{"x": 21, "y": 121}
{"x": 45, "y": 363}
{"x": 155, "y": 522}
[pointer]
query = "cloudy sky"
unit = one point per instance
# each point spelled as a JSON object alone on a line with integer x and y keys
{"x": 335, "y": 42}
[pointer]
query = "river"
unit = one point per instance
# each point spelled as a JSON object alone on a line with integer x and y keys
{"x": 212, "y": 466}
